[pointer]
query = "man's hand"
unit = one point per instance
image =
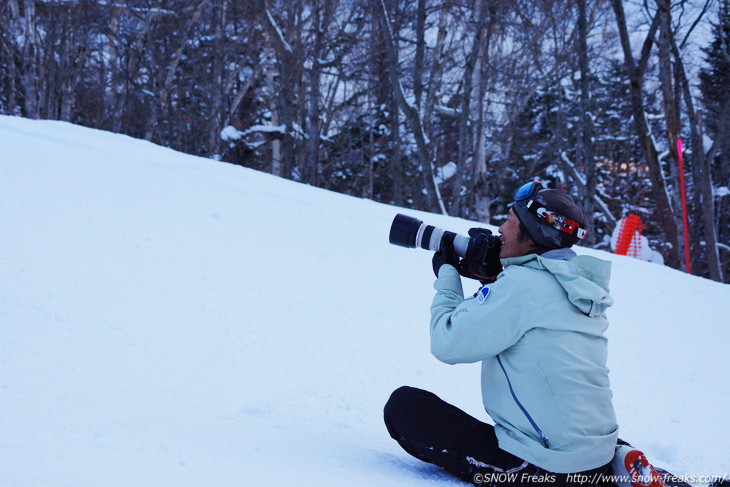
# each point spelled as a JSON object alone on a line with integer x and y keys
{"x": 482, "y": 256}
{"x": 446, "y": 254}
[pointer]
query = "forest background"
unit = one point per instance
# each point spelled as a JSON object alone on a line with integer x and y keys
{"x": 445, "y": 106}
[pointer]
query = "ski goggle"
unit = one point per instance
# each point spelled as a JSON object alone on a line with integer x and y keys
{"x": 527, "y": 192}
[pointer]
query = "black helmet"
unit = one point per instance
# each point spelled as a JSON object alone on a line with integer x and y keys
{"x": 551, "y": 217}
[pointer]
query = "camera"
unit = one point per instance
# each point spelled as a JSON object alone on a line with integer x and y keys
{"x": 483, "y": 248}
{"x": 410, "y": 232}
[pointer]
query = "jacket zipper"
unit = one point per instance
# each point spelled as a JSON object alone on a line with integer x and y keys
{"x": 543, "y": 438}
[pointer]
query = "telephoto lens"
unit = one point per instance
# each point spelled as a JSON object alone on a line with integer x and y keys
{"x": 409, "y": 232}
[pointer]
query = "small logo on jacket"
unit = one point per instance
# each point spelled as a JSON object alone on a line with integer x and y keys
{"x": 482, "y": 294}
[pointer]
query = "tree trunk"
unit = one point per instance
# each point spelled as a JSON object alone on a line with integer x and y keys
{"x": 664, "y": 213}
{"x": 436, "y": 71}
{"x": 276, "y": 168}
{"x": 12, "y": 26}
{"x": 217, "y": 115}
{"x": 171, "y": 71}
{"x": 708, "y": 204}
{"x": 396, "y": 158}
{"x": 321, "y": 18}
{"x": 703, "y": 175}
{"x": 290, "y": 74}
{"x": 671, "y": 119}
{"x": 469, "y": 108}
{"x": 114, "y": 89}
{"x": 480, "y": 184}
{"x": 420, "y": 52}
{"x": 32, "y": 72}
{"x": 586, "y": 135}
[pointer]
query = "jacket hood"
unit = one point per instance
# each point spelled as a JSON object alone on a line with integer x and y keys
{"x": 584, "y": 278}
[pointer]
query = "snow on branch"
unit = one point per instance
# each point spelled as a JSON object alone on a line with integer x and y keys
{"x": 447, "y": 111}
{"x": 279, "y": 34}
{"x": 266, "y": 129}
{"x": 232, "y": 135}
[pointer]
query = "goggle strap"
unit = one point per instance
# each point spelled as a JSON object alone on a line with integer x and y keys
{"x": 558, "y": 221}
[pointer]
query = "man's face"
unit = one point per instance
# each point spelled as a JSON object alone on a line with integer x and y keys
{"x": 509, "y": 232}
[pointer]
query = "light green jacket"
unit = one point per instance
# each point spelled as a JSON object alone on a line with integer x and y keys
{"x": 538, "y": 328}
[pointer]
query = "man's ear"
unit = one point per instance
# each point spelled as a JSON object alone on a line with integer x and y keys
{"x": 524, "y": 237}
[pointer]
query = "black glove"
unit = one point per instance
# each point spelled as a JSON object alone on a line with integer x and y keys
{"x": 446, "y": 254}
{"x": 482, "y": 256}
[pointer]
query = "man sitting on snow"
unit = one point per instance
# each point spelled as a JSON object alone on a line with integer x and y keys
{"x": 538, "y": 330}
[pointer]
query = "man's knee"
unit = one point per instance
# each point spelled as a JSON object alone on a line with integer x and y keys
{"x": 400, "y": 404}
{"x": 394, "y": 403}
{"x": 399, "y": 396}
{"x": 403, "y": 398}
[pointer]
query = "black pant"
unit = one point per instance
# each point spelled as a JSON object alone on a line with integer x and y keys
{"x": 436, "y": 432}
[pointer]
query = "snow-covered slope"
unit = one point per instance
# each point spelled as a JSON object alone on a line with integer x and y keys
{"x": 170, "y": 320}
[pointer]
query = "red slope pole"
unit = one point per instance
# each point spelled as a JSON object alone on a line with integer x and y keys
{"x": 684, "y": 207}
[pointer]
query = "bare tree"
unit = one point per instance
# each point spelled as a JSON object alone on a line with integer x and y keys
{"x": 586, "y": 130}
{"x": 702, "y": 173}
{"x": 635, "y": 72}
{"x": 411, "y": 113}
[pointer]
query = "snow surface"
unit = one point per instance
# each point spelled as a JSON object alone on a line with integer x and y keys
{"x": 172, "y": 320}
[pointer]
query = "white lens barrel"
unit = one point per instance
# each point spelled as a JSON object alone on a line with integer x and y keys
{"x": 461, "y": 243}
{"x": 422, "y": 230}
{"x": 429, "y": 237}
{"x": 435, "y": 241}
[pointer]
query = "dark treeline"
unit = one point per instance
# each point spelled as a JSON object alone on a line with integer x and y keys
{"x": 441, "y": 105}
